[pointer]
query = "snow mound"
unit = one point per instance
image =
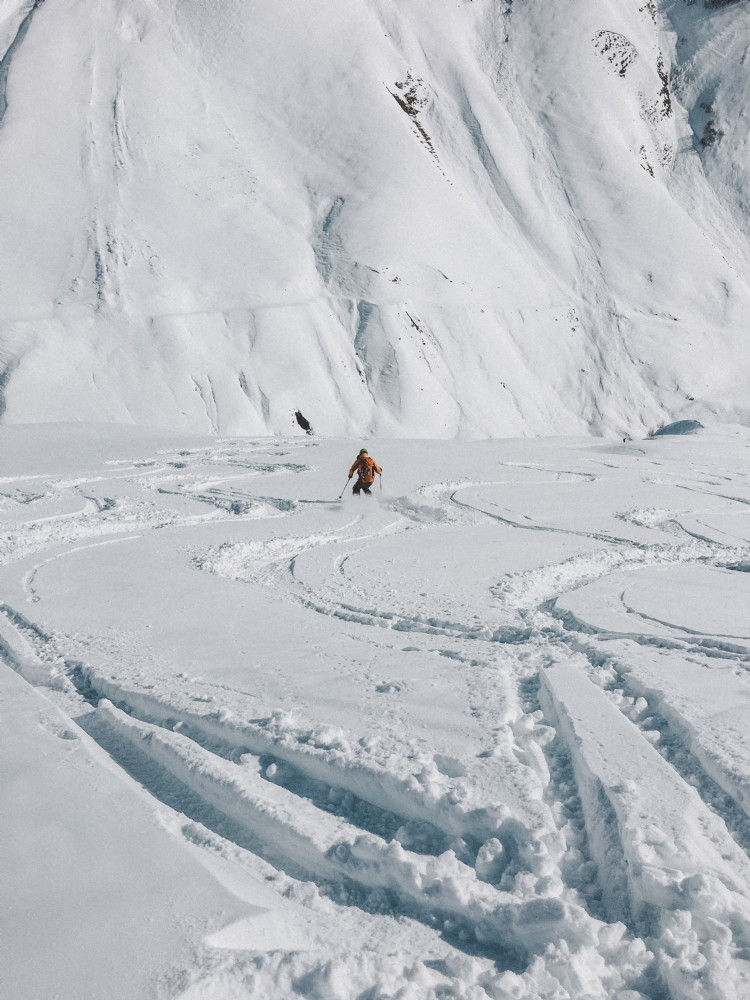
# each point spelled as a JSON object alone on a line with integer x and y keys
{"x": 680, "y": 427}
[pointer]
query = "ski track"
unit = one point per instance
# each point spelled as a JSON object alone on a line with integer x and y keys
{"x": 664, "y": 728}
{"x": 282, "y": 794}
{"x": 414, "y": 837}
{"x": 105, "y": 515}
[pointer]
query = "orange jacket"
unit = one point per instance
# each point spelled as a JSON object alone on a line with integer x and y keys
{"x": 365, "y": 467}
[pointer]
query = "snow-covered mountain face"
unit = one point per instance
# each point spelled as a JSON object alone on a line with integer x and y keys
{"x": 423, "y": 217}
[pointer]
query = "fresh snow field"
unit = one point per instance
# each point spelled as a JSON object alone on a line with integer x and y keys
{"x": 403, "y": 218}
{"x": 485, "y": 733}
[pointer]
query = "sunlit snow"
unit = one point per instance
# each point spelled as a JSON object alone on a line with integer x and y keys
{"x": 482, "y": 734}
{"x": 456, "y": 218}
{"x": 486, "y": 732}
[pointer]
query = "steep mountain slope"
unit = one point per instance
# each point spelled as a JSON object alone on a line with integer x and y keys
{"x": 404, "y": 218}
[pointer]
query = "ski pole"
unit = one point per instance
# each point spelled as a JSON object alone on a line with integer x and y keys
{"x": 380, "y": 474}
{"x": 344, "y": 489}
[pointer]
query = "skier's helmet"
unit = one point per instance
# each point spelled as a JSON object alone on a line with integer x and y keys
{"x": 363, "y": 451}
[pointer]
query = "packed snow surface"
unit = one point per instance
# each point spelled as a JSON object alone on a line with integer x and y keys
{"x": 483, "y": 734}
{"x": 405, "y": 218}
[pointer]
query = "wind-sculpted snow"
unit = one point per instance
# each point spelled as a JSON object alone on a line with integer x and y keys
{"x": 483, "y": 733}
{"x": 430, "y": 218}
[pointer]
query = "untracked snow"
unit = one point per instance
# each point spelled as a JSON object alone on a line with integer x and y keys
{"x": 429, "y": 218}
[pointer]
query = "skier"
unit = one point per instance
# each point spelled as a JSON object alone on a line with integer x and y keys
{"x": 365, "y": 467}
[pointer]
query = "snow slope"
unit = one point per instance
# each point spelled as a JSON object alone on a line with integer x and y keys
{"x": 485, "y": 733}
{"x": 406, "y": 218}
